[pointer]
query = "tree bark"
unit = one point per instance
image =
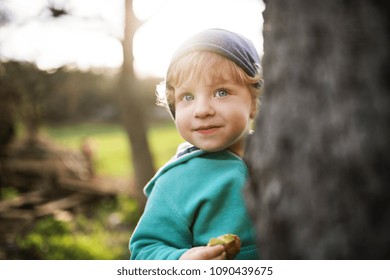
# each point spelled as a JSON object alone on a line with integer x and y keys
{"x": 320, "y": 155}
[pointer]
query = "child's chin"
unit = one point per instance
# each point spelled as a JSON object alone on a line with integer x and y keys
{"x": 213, "y": 150}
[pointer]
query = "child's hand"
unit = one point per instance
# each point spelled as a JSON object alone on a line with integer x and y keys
{"x": 205, "y": 253}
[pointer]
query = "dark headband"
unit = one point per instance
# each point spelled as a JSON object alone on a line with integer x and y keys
{"x": 231, "y": 45}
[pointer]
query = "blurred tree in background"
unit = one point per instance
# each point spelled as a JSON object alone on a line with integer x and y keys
{"x": 25, "y": 88}
{"x": 7, "y": 128}
{"x": 34, "y": 100}
{"x": 72, "y": 95}
{"x": 132, "y": 109}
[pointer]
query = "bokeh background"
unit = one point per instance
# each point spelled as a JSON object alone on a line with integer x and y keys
{"x": 80, "y": 134}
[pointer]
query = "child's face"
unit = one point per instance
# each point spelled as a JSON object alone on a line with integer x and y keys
{"x": 213, "y": 112}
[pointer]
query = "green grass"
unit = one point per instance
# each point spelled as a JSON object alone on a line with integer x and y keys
{"x": 106, "y": 234}
{"x": 163, "y": 142}
{"x": 84, "y": 238}
{"x": 112, "y": 148}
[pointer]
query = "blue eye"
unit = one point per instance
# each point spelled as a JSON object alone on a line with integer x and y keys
{"x": 221, "y": 93}
{"x": 188, "y": 97}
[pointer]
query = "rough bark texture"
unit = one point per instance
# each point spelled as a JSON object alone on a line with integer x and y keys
{"x": 320, "y": 155}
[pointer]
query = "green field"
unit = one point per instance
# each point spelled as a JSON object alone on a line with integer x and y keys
{"x": 97, "y": 237}
{"x": 112, "y": 148}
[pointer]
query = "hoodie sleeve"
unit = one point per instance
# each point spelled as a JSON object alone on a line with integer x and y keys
{"x": 162, "y": 233}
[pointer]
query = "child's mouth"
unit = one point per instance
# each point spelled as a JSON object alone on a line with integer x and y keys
{"x": 207, "y": 130}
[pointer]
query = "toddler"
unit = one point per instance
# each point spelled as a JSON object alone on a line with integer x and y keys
{"x": 212, "y": 89}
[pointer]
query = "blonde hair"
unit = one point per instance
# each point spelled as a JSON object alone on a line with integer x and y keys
{"x": 192, "y": 65}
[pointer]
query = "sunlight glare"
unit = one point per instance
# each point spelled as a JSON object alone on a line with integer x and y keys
{"x": 90, "y": 36}
{"x": 176, "y": 20}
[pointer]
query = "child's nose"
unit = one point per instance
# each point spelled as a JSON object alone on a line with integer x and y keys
{"x": 203, "y": 108}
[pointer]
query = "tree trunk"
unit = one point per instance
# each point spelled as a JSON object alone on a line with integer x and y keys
{"x": 7, "y": 134}
{"x": 132, "y": 110}
{"x": 320, "y": 155}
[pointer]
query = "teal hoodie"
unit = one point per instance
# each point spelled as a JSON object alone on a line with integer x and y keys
{"x": 194, "y": 197}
